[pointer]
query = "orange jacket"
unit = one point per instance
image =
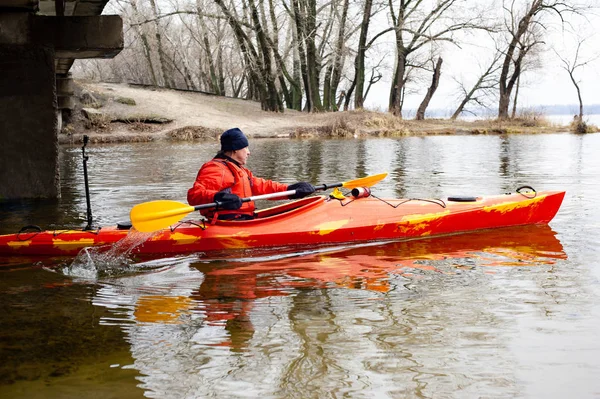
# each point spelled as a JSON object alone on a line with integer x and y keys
{"x": 222, "y": 174}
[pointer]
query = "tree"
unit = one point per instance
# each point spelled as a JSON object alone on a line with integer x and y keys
{"x": 524, "y": 27}
{"x": 570, "y": 65}
{"x": 415, "y": 26}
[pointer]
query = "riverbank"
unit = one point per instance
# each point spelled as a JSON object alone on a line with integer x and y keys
{"x": 111, "y": 113}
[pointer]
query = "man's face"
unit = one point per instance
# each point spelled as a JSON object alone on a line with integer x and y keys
{"x": 241, "y": 156}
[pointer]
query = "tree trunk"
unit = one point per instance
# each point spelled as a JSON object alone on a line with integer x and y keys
{"x": 461, "y": 107}
{"x": 435, "y": 81}
{"x": 359, "y": 61}
{"x": 220, "y": 72}
{"x": 349, "y": 95}
{"x": 340, "y": 99}
{"x": 296, "y": 66}
{"x": 503, "y": 105}
{"x": 397, "y": 89}
{"x": 337, "y": 62}
{"x": 515, "y": 98}
{"x": 300, "y": 28}
{"x": 311, "y": 55}
{"x": 327, "y": 101}
{"x": 580, "y": 103}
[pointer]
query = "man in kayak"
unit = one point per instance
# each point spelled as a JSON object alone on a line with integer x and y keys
{"x": 225, "y": 180}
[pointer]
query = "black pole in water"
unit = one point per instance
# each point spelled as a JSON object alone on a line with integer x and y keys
{"x": 87, "y": 187}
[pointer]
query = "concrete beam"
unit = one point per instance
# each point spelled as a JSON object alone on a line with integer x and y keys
{"x": 28, "y": 5}
{"x": 99, "y": 36}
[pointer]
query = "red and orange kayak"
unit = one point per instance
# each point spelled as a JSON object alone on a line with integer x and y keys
{"x": 313, "y": 221}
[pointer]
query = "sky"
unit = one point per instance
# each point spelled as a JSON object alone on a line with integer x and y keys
{"x": 548, "y": 86}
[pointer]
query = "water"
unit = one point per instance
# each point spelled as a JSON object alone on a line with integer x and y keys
{"x": 511, "y": 313}
{"x": 556, "y": 119}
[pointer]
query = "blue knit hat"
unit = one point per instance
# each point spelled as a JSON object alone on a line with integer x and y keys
{"x": 233, "y": 140}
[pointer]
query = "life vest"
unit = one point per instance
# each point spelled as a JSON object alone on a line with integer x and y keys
{"x": 241, "y": 186}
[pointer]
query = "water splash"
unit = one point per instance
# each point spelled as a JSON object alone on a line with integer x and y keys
{"x": 107, "y": 260}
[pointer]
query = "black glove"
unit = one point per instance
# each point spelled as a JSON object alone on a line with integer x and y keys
{"x": 227, "y": 201}
{"x": 302, "y": 189}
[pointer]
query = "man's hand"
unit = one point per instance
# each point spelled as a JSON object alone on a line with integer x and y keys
{"x": 302, "y": 189}
{"x": 227, "y": 201}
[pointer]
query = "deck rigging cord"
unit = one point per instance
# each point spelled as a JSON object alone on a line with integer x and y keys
{"x": 357, "y": 194}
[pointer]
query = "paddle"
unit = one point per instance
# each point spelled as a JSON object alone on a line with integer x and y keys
{"x": 157, "y": 215}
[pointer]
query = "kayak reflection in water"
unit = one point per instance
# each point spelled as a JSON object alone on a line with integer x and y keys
{"x": 225, "y": 181}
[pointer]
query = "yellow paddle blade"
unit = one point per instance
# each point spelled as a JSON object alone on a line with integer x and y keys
{"x": 156, "y": 215}
{"x": 364, "y": 181}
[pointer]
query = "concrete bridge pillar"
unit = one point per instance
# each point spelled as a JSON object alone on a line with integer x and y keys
{"x": 65, "y": 88}
{"x": 33, "y": 98}
{"x": 28, "y": 123}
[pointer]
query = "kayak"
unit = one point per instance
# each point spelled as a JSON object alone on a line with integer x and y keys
{"x": 313, "y": 221}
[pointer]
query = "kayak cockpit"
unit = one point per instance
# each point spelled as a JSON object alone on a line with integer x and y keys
{"x": 279, "y": 211}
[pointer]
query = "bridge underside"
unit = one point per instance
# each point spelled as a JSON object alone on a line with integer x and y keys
{"x": 36, "y": 52}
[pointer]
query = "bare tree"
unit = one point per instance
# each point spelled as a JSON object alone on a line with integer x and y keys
{"x": 524, "y": 26}
{"x": 570, "y": 65}
{"x": 415, "y": 25}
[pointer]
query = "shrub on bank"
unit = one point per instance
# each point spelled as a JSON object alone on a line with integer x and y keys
{"x": 578, "y": 125}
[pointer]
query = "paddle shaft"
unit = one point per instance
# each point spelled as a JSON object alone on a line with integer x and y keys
{"x": 266, "y": 196}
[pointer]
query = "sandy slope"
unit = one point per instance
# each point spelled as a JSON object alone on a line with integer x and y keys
{"x": 196, "y": 109}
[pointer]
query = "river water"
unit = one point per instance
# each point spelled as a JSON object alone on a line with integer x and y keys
{"x": 511, "y": 313}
